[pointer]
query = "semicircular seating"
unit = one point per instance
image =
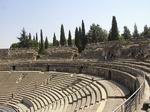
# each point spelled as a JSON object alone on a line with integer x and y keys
{"x": 94, "y": 87}
{"x": 52, "y": 91}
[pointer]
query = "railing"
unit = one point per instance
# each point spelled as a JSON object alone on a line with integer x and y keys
{"x": 131, "y": 104}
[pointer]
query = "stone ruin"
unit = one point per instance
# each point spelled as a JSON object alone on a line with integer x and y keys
{"x": 17, "y": 54}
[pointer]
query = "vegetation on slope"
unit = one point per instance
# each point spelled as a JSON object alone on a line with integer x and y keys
{"x": 81, "y": 37}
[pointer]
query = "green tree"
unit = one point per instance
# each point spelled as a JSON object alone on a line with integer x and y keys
{"x": 79, "y": 39}
{"x": 30, "y": 37}
{"x": 57, "y": 43}
{"x": 146, "y": 32}
{"x": 62, "y": 36}
{"x": 41, "y": 46}
{"x": 84, "y": 38}
{"x": 46, "y": 43}
{"x": 69, "y": 39}
{"x": 33, "y": 44}
{"x": 23, "y": 40}
{"x": 114, "y": 34}
{"x": 96, "y": 34}
{"x": 37, "y": 41}
{"x": 14, "y": 45}
{"x": 54, "y": 40}
{"x": 36, "y": 37}
{"x": 126, "y": 34}
{"x": 135, "y": 33}
{"x": 80, "y": 45}
{"x": 76, "y": 37}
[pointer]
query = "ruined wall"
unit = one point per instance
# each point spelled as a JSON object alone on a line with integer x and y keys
{"x": 22, "y": 54}
{"x": 116, "y": 49}
{"x": 59, "y": 53}
{"x": 17, "y": 54}
{"x": 3, "y": 54}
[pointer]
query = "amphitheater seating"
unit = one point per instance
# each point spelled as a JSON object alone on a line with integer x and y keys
{"x": 52, "y": 91}
{"x": 98, "y": 86}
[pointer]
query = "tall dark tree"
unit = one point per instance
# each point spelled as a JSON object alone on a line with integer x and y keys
{"x": 135, "y": 33}
{"x": 76, "y": 37}
{"x": 114, "y": 34}
{"x": 146, "y": 29}
{"x": 30, "y": 37}
{"x": 57, "y": 43}
{"x": 46, "y": 43}
{"x": 126, "y": 34}
{"x": 37, "y": 40}
{"x": 54, "y": 40}
{"x": 146, "y": 32}
{"x": 80, "y": 34}
{"x": 69, "y": 39}
{"x": 41, "y": 47}
{"x": 84, "y": 38}
{"x": 62, "y": 36}
{"x": 36, "y": 37}
{"x": 80, "y": 45}
{"x": 79, "y": 39}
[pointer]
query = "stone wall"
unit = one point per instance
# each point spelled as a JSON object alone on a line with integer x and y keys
{"x": 59, "y": 53}
{"x": 116, "y": 50}
{"x": 22, "y": 54}
{"x": 17, "y": 54}
{"x": 3, "y": 54}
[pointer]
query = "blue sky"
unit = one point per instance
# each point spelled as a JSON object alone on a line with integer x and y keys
{"x": 50, "y": 14}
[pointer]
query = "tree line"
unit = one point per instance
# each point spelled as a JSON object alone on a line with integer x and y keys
{"x": 81, "y": 38}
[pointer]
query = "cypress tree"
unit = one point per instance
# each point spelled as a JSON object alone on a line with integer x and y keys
{"x": 84, "y": 39}
{"x": 69, "y": 39}
{"x": 83, "y": 29}
{"x": 135, "y": 33}
{"x": 126, "y": 34}
{"x": 76, "y": 37}
{"x": 80, "y": 45}
{"x": 57, "y": 43}
{"x": 30, "y": 37}
{"x": 36, "y": 37}
{"x": 37, "y": 41}
{"x": 146, "y": 32}
{"x": 54, "y": 40}
{"x": 62, "y": 36}
{"x": 146, "y": 29}
{"x": 46, "y": 43}
{"x": 80, "y": 34}
{"x": 41, "y": 47}
{"x": 114, "y": 34}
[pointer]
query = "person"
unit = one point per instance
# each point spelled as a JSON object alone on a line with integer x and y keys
{"x": 92, "y": 79}
{"x": 12, "y": 95}
{"x": 47, "y": 81}
{"x": 105, "y": 58}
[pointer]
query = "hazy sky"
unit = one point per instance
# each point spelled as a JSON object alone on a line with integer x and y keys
{"x": 50, "y": 14}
